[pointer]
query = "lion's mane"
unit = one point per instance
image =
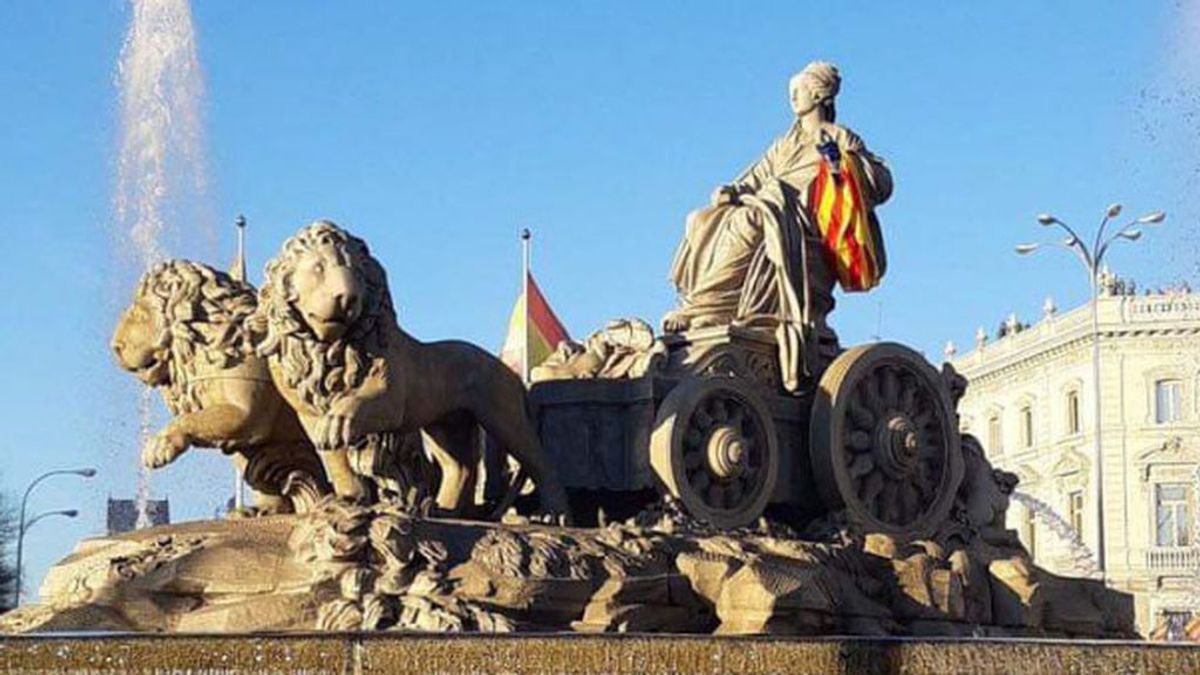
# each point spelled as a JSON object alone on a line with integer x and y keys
{"x": 320, "y": 372}
{"x": 201, "y": 314}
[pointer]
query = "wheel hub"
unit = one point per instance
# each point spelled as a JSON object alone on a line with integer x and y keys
{"x": 897, "y": 444}
{"x": 726, "y": 452}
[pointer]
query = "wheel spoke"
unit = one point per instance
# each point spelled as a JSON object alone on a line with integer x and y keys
{"x": 715, "y": 496}
{"x": 733, "y": 494}
{"x": 887, "y": 502}
{"x": 861, "y": 466}
{"x": 873, "y": 400}
{"x": 908, "y": 398}
{"x": 890, "y": 387}
{"x": 718, "y": 411}
{"x": 737, "y": 416}
{"x": 859, "y": 441}
{"x": 872, "y": 485}
{"x": 859, "y": 415}
{"x": 911, "y": 501}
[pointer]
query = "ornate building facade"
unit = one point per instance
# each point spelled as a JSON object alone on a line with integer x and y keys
{"x": 1031, "y": 403}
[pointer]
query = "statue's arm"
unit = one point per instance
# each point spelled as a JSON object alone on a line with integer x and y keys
{"x": 757, "y": 174}
{"x": 878, "y": 177}
{"x": 874, "y": 168}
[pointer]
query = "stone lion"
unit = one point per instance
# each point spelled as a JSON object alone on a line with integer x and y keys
{"x": 185, "y": 334}
{"x": 341, "y": 360}
{"x": 983, "y": 497}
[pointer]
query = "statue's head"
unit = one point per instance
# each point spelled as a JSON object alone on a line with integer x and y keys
{"x": 815, "y": 87}
{"x": 141, "y": 341}
{"x": 322, "y": 277}
{"x": 182, "y": 308}
{"x": 322, "y": 310}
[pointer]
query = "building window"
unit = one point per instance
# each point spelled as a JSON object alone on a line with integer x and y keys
{"x": 1074, "y": 422}
{"x": 995, "y": 435}
{"x": 1075, "y": 510}
{"x": 1168, "y": 401}
{"x": 1027, "y": 426}
{"x": 1172, "y": 514}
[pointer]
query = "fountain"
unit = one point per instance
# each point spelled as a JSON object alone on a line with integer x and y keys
{"x": 793, "y": 488}
{"x": 161, "y": 175}
{"x": 1081, "y": 556}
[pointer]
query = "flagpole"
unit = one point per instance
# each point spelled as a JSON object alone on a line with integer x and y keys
{"x": 239, "y": 268}
{"x": 526, "y": 245}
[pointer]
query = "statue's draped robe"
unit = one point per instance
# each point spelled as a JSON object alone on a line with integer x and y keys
{"x": 747, "y": 263}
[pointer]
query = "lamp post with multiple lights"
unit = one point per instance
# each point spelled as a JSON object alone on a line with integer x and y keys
{"x": 23, "y": 525}
{"x": 1092, "y": 258}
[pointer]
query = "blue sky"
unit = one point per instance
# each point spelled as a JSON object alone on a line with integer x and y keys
{"x": 438, "y": 130}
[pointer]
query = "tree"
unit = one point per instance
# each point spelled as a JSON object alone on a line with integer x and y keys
{"x": 8, "y": 545}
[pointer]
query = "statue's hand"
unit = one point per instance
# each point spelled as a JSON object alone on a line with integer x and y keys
{"x": 163, "y": 449}
{"x": 849, "y": 141}
{"x": 724, "y": 194}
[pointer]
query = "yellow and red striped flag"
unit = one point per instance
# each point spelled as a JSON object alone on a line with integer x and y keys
{"x": 836, "y": 202}
{"x": 536, "y": 331}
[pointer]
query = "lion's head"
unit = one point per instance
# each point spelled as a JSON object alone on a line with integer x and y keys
{"x": 324, "y": 306}
{"x": 183, "y": 311}
{"x": 985, "y": 489}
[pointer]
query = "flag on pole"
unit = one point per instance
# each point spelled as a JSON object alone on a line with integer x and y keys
{"x": 843, "y": 218}
{"x": 533, "y": 330}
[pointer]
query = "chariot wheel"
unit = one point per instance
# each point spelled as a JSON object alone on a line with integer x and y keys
{"x": 884, "y": 440}
{"x": 714, "y": 448}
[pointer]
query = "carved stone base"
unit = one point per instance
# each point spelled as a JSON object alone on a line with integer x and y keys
{"x": 345, "y": 567}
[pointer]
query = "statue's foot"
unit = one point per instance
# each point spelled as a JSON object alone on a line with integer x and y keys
{"x": 676, "y": 322}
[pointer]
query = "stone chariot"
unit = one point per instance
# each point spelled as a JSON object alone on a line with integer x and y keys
{"x": 873, "y": 436}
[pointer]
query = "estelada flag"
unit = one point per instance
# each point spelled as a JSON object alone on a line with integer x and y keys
{"x": 538, "y": 328}
{"x": 843, "y": 218}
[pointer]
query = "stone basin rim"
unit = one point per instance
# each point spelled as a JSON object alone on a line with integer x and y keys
{"x": 334, "y": 636}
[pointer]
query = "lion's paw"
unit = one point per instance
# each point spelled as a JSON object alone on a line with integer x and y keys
{"x": 334, "y": 431}
{"x": 162, "y": 449}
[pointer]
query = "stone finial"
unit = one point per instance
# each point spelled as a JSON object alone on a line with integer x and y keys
{"x": 1011, "y": 325}
{"x": 1107, "y": 282}
{"x": 1049, "y": 309}
{"x": 950, "y": 350}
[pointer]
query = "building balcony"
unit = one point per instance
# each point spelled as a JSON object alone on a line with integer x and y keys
{"x": 1173, "y": 558}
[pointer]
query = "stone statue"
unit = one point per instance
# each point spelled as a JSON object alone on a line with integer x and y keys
{"x": 185, "y": 335}
{"x": 754, "y": 257}
{"x": 360, "y": 383}
{"x": 851, "y": 507}
{"x": 624, "y": 348}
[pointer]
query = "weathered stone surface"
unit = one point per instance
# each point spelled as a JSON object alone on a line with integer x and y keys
{"x": 792, "y": 487}
{"x": 349, "y": 567}
{"x": 611, "y": 654}
{"x": 360, "y": 384}
{"x": 186, "y": 334}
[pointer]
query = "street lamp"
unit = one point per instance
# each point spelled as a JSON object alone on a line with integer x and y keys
{"x": 22, "y": 525}
{"x": 1093, "y": 258}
